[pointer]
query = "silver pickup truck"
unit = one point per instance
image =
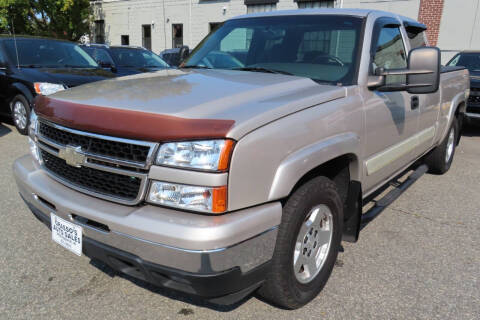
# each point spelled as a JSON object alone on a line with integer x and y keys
{"x": 246, "y": 167}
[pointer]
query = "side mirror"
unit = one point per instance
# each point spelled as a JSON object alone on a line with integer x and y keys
{"x": 107, "y": 65}
{"x": 422, "y": 73}
{"x": 183, "y": 53}
{"x": 429, "y": 59}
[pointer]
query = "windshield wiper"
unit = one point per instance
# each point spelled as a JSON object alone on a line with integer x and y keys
{"x": 196, "y": 67}
{"x": 31, "y": 66}
{"x": 152, "y": 66}
{"x": 261, "y": 69}
{"x": 79, "y": 67}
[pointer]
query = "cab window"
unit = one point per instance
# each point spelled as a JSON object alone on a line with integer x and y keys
{"x": 390, "y": 52}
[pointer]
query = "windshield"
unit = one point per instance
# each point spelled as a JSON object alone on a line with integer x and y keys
{"x": 38, "y": 53}
{"x": 323, "y": 48}
{"x": 137, "y": 58}
{"x": 471, "y": 61}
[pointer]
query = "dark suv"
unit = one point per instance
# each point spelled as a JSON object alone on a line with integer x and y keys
{"x": 125, "y": 60}
{"x": 471, "y": 61}
{"x": 33, "y": 66}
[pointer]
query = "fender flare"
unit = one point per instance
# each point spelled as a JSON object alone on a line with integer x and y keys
{"x": 457, "y": 101}
{"x": 299, "y": 163}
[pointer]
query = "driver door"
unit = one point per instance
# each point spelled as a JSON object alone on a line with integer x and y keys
{"x": 391, "y": 123}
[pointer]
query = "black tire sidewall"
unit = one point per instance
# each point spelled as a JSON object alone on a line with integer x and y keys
{"x": 25, "y": 103}
{"x": 317, "y": 191}
{"x": 304, "y": 291}
{"x": 454, "y": 127}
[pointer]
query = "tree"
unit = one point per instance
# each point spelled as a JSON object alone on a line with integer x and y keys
{"x": 65, "y": 19}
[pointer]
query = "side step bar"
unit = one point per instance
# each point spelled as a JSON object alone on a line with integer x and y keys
{"x": 391, "y": 196}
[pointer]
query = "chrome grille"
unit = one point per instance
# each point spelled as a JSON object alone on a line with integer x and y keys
{"x": 474, "y": 99}
{"x": 110, "y": 168}
{"x": 107, "y": 148}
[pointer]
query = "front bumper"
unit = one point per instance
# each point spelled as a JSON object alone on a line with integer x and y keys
{"x": 179, "y": 250}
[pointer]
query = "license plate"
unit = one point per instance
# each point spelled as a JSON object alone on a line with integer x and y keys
{"x": 66, "y": 234}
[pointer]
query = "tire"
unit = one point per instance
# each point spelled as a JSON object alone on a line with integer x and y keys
{"x": 20, "y": 109}
{"x": 288, "y": 286}
{"x": 441, "y": 158}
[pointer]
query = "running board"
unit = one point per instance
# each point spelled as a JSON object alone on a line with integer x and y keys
{"x": 391, "y": 196}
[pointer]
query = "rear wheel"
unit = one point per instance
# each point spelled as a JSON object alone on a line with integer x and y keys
{"x": 440, "y": 159}
{"x": 20, "y": 113}
{"x": 307, "y": 244}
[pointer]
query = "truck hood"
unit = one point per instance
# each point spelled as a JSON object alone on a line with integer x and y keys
{"x": 184, "y": 104}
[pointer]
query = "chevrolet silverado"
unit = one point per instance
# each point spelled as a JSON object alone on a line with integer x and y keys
{"x": 245, "y": 168}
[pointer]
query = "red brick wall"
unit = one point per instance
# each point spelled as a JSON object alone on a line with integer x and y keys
{"x": 430, "y": 14}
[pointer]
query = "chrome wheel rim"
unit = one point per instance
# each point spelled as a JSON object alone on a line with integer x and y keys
{"x": 20, "y": 115}
{"x": 450, "y": 145}
{"x": 313, "y": 244}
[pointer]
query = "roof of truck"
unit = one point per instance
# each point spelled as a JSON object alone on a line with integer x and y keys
{"x": 349, "y": 12}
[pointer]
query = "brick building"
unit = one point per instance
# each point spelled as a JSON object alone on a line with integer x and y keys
{"x": 162, "y": 24}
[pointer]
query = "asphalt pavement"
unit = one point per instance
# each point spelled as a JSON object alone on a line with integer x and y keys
{"x": 420, "y": 259}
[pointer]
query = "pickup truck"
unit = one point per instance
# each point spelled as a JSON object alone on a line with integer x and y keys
{"x": 245, "y": 168}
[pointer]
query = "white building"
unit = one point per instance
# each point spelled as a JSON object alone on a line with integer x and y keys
{"x": 163, "y": 24}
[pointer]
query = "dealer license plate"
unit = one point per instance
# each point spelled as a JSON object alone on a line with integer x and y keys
{"x": 66, "y": 234}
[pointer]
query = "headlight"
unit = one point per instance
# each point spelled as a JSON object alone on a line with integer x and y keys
{"x": 45, "y": 88}
{"x": 210, "y": 155}
{"x": 204, "y": 199}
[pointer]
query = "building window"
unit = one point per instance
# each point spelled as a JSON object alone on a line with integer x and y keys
{"x": 147, "y": 36}
{"x": 309, "y": 4}
{"x": 254, "y": 8}
{"x": 99, "y": 31}
{"x": 125, "y": 40}
{"x": 177, "y": 35}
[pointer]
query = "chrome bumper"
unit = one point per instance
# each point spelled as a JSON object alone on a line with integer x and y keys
{"x": 176, "y": 239}
{"x": 472, "y": 115}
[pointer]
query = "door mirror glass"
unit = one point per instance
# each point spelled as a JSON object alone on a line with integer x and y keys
{"x": 183, "y": 53}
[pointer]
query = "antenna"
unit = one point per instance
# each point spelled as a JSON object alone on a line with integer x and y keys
{"x": 15, "y": 42}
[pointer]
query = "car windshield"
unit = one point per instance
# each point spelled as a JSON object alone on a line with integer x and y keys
{"x": 323, "y": 48}
{"x": 469, "y": 60}
{"x": 40, "y": 53}
{"x": 137, "y": 58}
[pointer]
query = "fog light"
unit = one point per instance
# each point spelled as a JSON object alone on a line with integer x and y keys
{"x": 195, "y": 198}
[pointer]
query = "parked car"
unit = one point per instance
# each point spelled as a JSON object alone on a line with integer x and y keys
{"x": 471, "y": 61}
{"x": 125, "y": 60}
{"x": 33, "y": 66}
{"x": 175, "y": 56}
{"x": 245, "y": 169}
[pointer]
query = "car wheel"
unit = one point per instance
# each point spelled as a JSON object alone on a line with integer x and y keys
{"x": 307, "y": 244}
{"x": 441, "y": 158}
{"x": 20, "y": 113}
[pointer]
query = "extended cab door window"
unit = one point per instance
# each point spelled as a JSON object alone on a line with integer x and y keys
{"x": 390, "y": 52}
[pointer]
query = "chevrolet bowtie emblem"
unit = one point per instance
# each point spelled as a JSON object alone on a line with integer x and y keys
{"x": 72, "y": 155}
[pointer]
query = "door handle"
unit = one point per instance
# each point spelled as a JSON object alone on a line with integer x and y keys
{"x": 415, "y": 102}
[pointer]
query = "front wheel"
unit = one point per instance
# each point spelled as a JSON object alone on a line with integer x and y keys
{"x": 307, "y": 244}
{"x": 441, "y": 158}
{"x": 20, "y": 113}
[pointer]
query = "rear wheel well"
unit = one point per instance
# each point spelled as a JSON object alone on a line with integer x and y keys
{"x": 459, "y": 117}
{"x": 461, "y": 108}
